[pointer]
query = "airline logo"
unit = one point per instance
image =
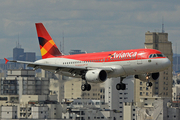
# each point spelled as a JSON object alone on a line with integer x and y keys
{"x": 48, "y": 47}
{"x": 122, "y": 54}
{"x": 110, "y": 55}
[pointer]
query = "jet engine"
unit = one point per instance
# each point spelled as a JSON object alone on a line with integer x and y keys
{"x": 95, "y": 76}
{"x": 153, "y": 77}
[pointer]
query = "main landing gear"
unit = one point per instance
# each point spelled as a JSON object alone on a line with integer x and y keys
{"x": 121, "y": 86}
{"x": 86, "y": 86}
{"x": 148, "y": 83}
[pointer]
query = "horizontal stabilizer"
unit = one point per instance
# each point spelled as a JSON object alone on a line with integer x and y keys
{"x": 6, "y": 60}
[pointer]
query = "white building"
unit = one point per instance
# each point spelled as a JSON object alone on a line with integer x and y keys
{"x": 29, "y": 95}
{"x": 115, "y": 98}
{"x": 84, "y": 109}
{"x": 176, "y": 92}
{"x": 8, "y": 112}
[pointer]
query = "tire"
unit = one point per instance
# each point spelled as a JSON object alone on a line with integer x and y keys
{"x": 147, "y": 84}
{"x": 118, "y": 86}
{"x": 150, "y": 84}
{"x": 88, "y": 87}
{"x": 123, "y": 86}
{"x": 83, "y": 87}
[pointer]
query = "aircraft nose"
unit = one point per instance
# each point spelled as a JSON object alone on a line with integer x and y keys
{"x": 166, "y": 63}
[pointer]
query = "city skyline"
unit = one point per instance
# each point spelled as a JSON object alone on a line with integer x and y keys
{"x": 91, "y": 26}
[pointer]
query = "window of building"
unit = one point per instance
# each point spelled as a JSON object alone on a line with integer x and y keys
{"x": 140, "y": 83}
{"x": 140, "y": 93}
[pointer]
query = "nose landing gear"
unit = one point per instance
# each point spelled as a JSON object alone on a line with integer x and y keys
{"x": 148, "y": 83}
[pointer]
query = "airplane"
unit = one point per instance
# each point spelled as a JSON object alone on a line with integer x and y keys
{"x": 144, "y": 64}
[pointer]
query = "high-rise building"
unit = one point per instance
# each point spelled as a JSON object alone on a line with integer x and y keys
{"x": 115, "y": 98}
{"x": 18, "y": 53}
{"x": 163, "y": 86}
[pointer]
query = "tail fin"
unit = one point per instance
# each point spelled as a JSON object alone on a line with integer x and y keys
{"x": 47, "y": 46}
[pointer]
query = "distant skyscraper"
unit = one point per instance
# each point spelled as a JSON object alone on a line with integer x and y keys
{"x": 30, "y": 56}
{"x": 18, "y": 54}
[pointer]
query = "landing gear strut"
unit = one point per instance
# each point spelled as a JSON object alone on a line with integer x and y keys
{"x": 148, "y": 83}
{"x": 86, "y": 86}
{"x": 121, "y": 86}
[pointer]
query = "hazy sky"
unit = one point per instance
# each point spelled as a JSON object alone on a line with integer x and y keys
{"x": 88, "y": 25}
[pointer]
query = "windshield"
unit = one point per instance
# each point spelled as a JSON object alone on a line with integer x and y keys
{"x": 156, "y": 55}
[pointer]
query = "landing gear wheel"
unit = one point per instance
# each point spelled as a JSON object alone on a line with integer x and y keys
{"x": 121, "y": 86}
{"x": 88, "y": 87}
{"x": 149, "y": 84}
{"x": 83, "y": 87}
{"x": 118, "y": 86}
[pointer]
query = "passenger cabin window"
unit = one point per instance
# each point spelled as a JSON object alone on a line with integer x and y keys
{"x": 156, "y": 55}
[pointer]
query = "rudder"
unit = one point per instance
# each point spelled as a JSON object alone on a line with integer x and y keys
{"x": 47, "y": 46}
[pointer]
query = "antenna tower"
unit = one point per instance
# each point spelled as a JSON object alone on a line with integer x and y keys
{"x": 63, "y": 43}
{"x": 163, "y": 25}
{"x": 60, "y": 46}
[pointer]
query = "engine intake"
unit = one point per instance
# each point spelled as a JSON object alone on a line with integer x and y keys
{"x": 95, "y": 76}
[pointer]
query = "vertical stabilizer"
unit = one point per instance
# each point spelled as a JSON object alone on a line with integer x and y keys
{"x": 47, "y": 46}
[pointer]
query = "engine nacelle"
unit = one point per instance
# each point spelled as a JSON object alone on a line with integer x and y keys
{"x": 153, "y": 77}
{"x": 95, "y": 76}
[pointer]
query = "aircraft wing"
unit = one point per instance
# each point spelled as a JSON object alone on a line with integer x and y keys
{"x": 56, "y": 68}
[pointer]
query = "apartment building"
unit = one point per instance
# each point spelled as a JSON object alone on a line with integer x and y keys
{"x": 163, "y": 86}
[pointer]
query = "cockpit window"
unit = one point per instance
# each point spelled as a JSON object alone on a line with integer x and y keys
{"x": 156, "y": 55}
{"x": 160, "y": 55}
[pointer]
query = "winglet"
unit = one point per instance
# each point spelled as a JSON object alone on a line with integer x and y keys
{"x": 6, "y": 60}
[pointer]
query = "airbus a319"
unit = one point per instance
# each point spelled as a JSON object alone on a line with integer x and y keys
{"x": 145, "y": 64}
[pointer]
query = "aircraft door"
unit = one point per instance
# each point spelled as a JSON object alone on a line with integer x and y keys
{"x": 139, "y": 57}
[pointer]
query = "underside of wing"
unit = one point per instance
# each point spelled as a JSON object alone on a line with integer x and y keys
{"x": 62, "y": 68}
